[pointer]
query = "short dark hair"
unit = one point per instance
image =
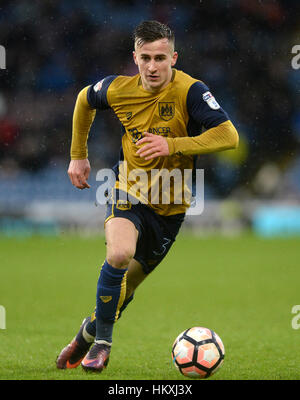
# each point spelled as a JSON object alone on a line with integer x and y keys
{"x": 149, "y": 31}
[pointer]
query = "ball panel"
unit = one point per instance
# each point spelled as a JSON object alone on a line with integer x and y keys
{"x": 216, "y": 368}
{"x": 194, "y": 372}
{"x": 199, "y": 333}
{"x": 179, "y": 337}
{"x": 220, "y": 343}
{"x": 183, "y": 352}
{"x": 208, "y": 355}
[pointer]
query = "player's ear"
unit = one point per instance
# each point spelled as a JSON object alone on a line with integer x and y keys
{"x": 174, "y": 58}
{"x": 134, "y": 58}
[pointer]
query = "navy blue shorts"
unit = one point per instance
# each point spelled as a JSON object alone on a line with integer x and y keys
{"x": 157, "y": 233}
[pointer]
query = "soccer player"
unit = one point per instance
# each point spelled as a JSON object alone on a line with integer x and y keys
{"x": 163, "y": 112}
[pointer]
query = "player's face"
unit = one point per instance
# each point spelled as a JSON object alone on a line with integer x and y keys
{"x": 155, "y": 61}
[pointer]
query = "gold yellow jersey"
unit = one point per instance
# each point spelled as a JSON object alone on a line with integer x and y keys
{"x": 180, "y": 110}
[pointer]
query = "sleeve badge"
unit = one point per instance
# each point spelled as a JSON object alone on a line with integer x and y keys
{"x": 98, "y": 86}
{"x": 211, "y": 101}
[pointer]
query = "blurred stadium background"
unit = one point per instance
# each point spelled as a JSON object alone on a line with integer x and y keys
{"x": 239, "y": 48}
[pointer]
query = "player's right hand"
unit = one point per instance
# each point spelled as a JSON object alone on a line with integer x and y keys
{"x": 79, "y": 171}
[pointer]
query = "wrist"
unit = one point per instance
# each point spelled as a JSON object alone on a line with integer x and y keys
{"x": 171, "y": 146}
{"x": 78, "y": 156}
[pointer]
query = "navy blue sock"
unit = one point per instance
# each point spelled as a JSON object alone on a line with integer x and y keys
{"x": 111, "y": 291}
{"x": 91, "y": 325}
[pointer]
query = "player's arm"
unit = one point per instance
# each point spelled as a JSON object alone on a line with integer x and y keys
{"x": 83, "y": 117}
{"x": 220, "y": 133}
{"x": 222, "y": 137}
{"x": 88, "y": 100}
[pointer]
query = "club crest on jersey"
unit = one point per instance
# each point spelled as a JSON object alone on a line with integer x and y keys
{"x": 98, "y": 86}
{"x": 210, "y": 100}
{"x": 166, "y": 110}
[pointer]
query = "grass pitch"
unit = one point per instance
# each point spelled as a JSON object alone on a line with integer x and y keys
{"x": 243, "y": 288}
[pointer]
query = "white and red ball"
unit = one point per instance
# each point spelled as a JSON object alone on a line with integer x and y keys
{"x": 198, "y": 352}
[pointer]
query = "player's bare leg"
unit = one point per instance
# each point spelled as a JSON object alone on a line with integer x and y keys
{"x": 121, "y": 238}
{"x": 135, "y": 277}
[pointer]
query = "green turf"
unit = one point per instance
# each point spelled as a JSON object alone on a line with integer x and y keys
{"x": 243, "y": 288}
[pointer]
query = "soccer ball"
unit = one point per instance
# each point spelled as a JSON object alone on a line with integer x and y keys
{"x": 198, "y": 352}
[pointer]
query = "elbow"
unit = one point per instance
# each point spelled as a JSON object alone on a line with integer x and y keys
{"x": 233, "y": 136}
{"x": 230, "y": 136}
{"x": 235, "y": 139}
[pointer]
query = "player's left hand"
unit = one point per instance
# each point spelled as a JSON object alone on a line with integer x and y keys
{"x": 154, "y": 146}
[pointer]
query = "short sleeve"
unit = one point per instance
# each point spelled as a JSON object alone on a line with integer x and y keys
{"x": 203, "y": 108}
{"x": 97, "y": 93}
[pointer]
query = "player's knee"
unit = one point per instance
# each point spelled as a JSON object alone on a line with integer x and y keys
{"x": 120, "y": 258}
